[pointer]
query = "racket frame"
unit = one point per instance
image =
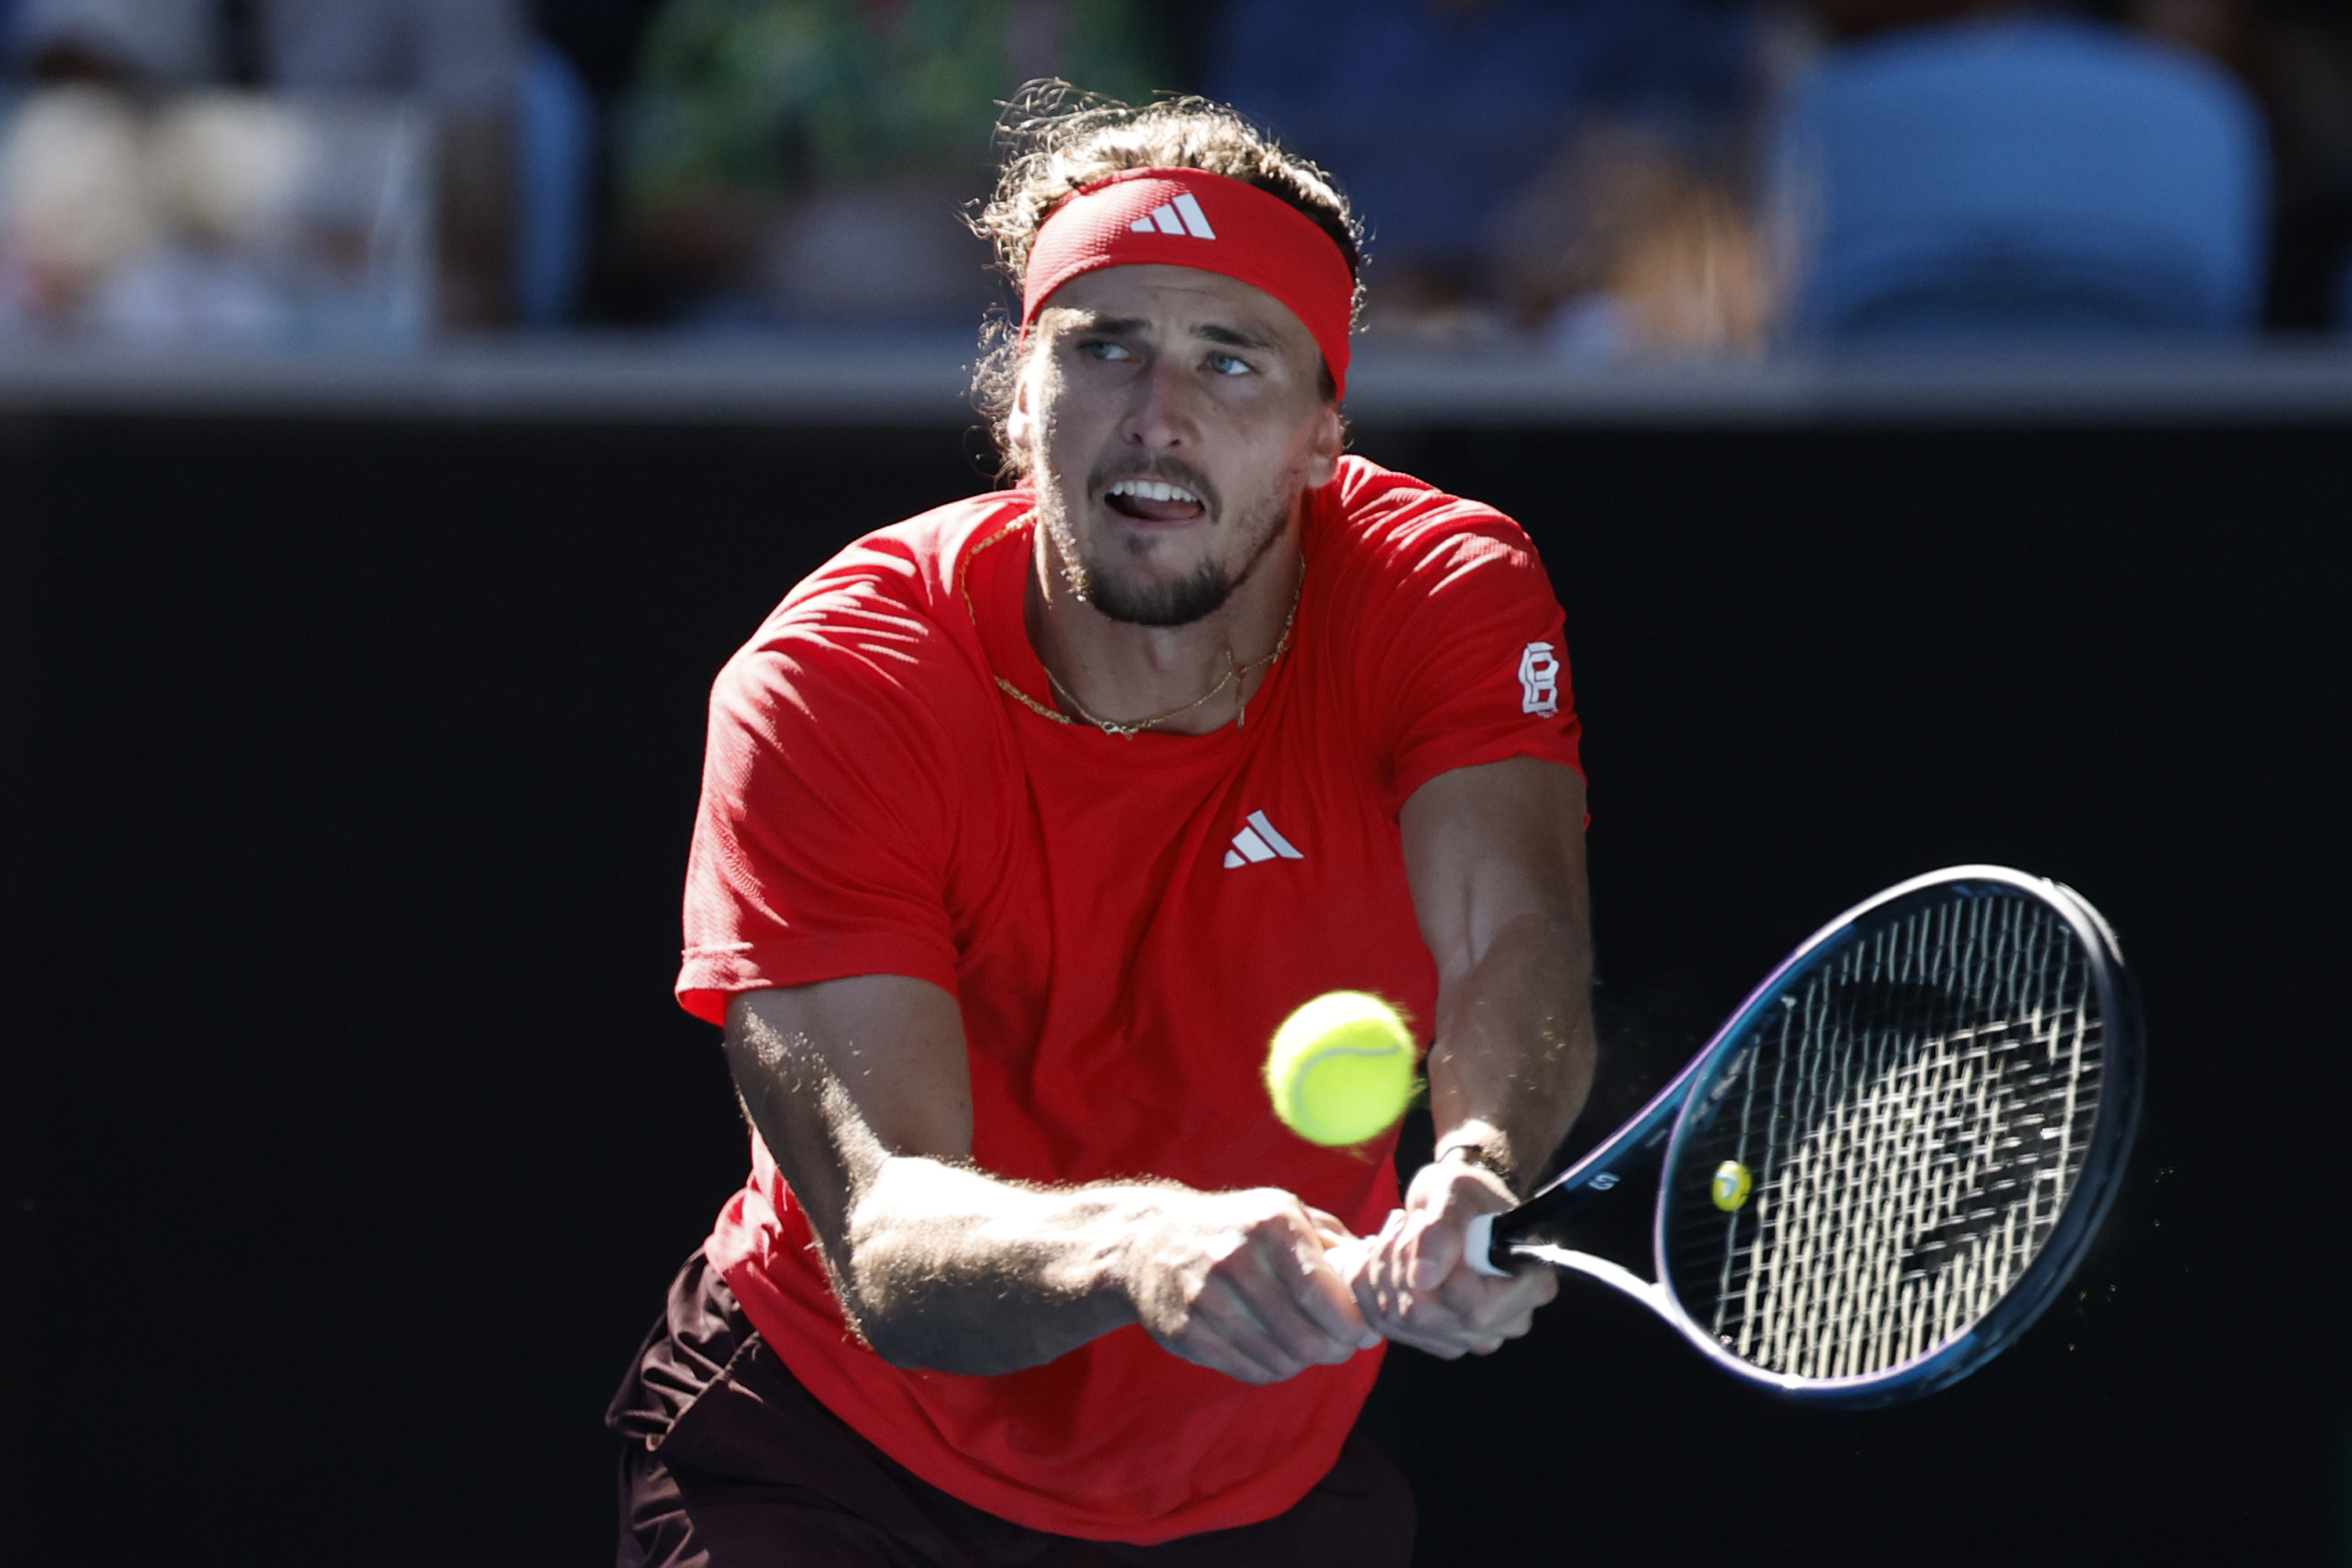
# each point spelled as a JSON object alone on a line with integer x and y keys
{"x": 1497, "y": 1241}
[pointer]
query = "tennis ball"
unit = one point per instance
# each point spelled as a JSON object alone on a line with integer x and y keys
{"x": 1340, "y": 1069}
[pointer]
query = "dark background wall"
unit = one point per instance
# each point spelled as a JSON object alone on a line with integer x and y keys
{"x": 349, "y": 1135}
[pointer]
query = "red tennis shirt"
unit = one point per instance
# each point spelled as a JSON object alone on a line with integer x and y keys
{"x": 1123, "y": 921}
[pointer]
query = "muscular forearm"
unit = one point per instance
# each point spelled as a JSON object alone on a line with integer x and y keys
{"x": 936, "y": 1264}
{"x": 1508, "y": 1075}
{"x": 945, "y": 1267}
{"x": 1509, "y": 1072}
{"x": 1495, "y": 855}
{"x": 948, "y": 1269}
{"x": 1515, "y": 1048}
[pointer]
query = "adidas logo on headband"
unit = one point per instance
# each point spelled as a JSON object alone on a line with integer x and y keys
{"x": 1182, "y": 216}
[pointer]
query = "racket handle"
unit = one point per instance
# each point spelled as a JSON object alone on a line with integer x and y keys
{"x": 1478, "y": 1241}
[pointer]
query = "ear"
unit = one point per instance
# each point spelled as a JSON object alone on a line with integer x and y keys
{"x": 1329, "y": 440}
{"x": 1020, "y": 420}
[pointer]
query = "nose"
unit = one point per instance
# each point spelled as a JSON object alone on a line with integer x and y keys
{"x": 1160, "y": 416}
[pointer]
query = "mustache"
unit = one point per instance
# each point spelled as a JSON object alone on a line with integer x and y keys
{"x": 1167, "y": 471}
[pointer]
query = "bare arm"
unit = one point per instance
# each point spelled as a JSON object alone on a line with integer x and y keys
{"x": 860, "y": 1089}
{"x": 1495, "y": 858}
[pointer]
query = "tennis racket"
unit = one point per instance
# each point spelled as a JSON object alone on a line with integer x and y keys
{"x": 1887, "y": 1164}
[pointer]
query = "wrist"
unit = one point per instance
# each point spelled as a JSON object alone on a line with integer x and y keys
{"x": 1133, "y": 1224}
{"x": 1490, "y": 1154}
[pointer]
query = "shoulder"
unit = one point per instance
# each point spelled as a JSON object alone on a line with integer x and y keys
{"x": 904, "y": 577}
{"x": 1444, "y": 632}
{"x": 863, "y": 712}
{"x": 1387, "y": 534}
{"x": 887, "y": 612}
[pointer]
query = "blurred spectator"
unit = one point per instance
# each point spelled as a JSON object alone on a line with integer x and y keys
{"x": 2296, "y": 55}
{"x": 1627, "y": 246}
{"x": 464, "y": 60}
{"x": 1523, "y": 163}
{"x": 73, "y": 167}
{"x": 2014, "y": 174}
{"x": 215, "y": 216}
{"x": 806, "y": 160}
{"x": 461, "y": 61}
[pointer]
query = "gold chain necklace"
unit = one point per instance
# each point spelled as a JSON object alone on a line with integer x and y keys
{"x": 1235, "y": 673}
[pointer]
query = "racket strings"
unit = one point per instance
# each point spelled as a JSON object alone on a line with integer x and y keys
{"x": 1913, "y": 1122}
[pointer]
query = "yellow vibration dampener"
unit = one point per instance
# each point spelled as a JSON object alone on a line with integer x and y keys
{"x": 1733, "y": 1183}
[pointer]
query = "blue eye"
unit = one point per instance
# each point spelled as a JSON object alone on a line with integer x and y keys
{"x": 1102, "y": 350}
{"x": 1230, "y": 365}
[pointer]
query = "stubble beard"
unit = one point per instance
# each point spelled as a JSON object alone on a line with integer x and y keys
{"x": 1137, "y": 599}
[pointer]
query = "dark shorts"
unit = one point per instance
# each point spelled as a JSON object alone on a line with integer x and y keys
{"x": 728, "y": 1462}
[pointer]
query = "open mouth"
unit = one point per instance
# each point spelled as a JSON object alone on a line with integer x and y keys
{"x": 1154, "y": 500}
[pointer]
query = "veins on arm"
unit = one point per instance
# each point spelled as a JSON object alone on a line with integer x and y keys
{"x": 860, "y": 1090}
{"x": 1495, "y": 858}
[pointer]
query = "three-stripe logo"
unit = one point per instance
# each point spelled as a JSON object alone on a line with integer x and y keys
{"x": 1259, "y": 841}
{"x": 1182, "y": 216}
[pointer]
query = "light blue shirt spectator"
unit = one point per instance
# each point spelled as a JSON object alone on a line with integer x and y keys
{"x": 2029, "y": 176}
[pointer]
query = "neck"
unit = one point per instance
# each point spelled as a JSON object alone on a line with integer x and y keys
{"x": 1124, "y": 673}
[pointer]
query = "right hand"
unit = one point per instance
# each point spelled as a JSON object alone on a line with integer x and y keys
{"x": 1240, "y": 1283}
{"x": 1417, "y": 1286}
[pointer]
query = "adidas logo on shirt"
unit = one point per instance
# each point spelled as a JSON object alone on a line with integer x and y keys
{"x": 1182, "y": 216}
{"x": 1259, "y": 841}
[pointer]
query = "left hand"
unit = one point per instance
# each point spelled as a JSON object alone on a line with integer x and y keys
{"x": 1415, "y": 1284}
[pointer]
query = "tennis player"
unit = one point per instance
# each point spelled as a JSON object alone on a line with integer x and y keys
{"x": 1024, "y": 824}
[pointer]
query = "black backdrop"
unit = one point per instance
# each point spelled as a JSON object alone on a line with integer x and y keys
{"x": 349, "y": 1135}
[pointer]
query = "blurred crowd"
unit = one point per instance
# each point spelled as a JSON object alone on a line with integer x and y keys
{"x": 1591, "y": 179}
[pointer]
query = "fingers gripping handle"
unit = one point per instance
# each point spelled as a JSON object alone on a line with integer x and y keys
{"x": 1478, "y": 1242}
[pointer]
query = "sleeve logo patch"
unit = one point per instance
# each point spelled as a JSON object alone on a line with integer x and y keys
{"x": 1539, "y": 678}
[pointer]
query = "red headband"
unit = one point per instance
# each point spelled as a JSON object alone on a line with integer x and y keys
{"x": 1187, "y": 217}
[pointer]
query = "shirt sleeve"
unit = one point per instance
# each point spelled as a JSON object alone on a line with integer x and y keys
{"x": 1471, "y": 665}
{"x": 822, "y": 842}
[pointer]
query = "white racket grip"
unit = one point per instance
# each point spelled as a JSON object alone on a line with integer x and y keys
{"x": 1478, "y": 1237}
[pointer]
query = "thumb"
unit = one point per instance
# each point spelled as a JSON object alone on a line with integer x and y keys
{"x": 1347, "y": 1260}
{"x": 1436, "y": 1251}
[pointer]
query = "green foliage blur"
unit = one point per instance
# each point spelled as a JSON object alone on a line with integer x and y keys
{"x": 752, "y": 97}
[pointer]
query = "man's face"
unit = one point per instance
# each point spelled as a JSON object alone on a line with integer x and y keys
{"x": 1172, "y": 418}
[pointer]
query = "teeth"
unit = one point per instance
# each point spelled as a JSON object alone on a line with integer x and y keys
{"x": 1153, "y": 489}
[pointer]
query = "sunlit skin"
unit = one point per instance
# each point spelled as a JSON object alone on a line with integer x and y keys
{"x": 1197, "y": 379}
